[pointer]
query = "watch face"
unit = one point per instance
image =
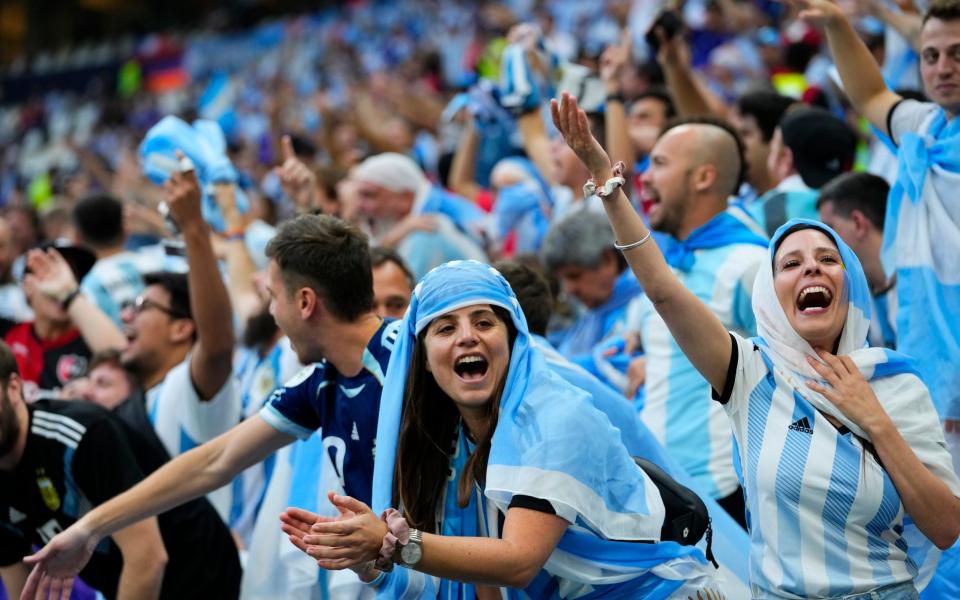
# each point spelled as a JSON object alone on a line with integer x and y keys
{"x": 411, "y": 553}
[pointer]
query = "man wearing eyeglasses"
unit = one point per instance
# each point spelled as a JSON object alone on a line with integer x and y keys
{"x": 180, "y": 341}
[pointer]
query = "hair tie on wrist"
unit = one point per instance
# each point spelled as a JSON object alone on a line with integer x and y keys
{"x": 610, "y": 186}
{"x": 397, "y": 531}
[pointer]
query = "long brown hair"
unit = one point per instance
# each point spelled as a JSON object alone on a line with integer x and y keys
{"x": 428, "y": 437}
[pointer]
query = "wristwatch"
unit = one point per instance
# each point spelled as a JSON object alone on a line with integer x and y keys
{"x": 410, "y": 553}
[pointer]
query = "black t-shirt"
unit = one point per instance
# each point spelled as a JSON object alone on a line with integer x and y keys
{"x": 77, "y": 456}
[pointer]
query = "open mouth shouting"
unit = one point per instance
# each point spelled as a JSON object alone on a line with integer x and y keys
{"x": 471, "y": 368}
{"x": 814, "y": 299}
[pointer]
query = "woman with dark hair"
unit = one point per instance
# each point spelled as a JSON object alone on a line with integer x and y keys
{"x": 844, "y": 465}
{"x": 491, "y": 442}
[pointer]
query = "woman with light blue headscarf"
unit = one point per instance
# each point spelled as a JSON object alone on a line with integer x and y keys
{"x": 491, "y": 442}
{"x": 844, "y": 465}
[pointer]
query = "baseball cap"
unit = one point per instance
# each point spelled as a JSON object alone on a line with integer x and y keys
{"x": 823, "y": 146}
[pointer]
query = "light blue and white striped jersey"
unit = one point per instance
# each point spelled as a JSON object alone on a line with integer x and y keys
{"x": 825, "y": 518}
{"x": 183, "y": 421}
{"x": 257, "y": 376}
{"x": 676, "y": 406}
{"x": 118, "y": 279}
{"x": 921, "y": 244}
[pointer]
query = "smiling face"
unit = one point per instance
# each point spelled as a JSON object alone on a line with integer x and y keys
{"x": 153, "y": 333}
{"x": 468, "y": 353}
{"x": 940, "y": 62}
{"x": 808, "y": 276}
{"x": 666, "y": 182}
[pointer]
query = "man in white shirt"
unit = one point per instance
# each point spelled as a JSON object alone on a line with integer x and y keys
{"x": 181, "y": 340}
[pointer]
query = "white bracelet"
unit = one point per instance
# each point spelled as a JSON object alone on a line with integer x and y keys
{"x": 636, "y": 244}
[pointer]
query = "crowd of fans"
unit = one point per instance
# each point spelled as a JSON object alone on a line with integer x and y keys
{"x": 249, "y": 274}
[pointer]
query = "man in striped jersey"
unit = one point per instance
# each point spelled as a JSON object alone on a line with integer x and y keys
{"x": 60, "y": 459}
{"x": 695, "y": 167}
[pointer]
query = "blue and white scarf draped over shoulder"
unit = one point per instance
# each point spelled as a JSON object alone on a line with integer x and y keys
{"x": 892, "y": 376}
{"x": 550, "y": 443}
{"x": 921, "y": 245}
{"x": 732, "y": 226}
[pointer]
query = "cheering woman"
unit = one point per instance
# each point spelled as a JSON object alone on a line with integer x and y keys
{"x": 841, "y": 449}
{"x": 490, "y": 442}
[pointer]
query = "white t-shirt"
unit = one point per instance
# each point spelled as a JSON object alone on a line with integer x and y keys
{"x": 183, "y": 421}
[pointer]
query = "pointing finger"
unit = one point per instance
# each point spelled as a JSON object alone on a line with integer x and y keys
{"x": 286, "y": 144}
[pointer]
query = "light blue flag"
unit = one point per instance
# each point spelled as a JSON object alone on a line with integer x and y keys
{"x": 206, "y": 146}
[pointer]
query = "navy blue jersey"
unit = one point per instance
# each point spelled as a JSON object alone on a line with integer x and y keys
{"x": 343, "y": 409}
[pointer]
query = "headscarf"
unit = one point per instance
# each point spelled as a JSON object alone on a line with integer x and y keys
{"x": 892, "y": 376}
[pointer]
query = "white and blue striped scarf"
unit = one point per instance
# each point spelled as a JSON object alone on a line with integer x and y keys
{"x": 921, "y": 245}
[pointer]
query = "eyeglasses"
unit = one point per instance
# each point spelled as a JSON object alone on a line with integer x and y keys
{"x": 141, "y": 304}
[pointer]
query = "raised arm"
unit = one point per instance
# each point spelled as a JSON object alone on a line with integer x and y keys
{"x": 859, "y": 72}
{"x": 240, "y": 267}
{"x": 613, "y": 61}
{"x": 212, "y": 359}
{"x": 190, "y": 475}
{"x": 690, "y": 96}
{"x": 700, "y": 334}
{"x": 50, "y": 272}
{"x": 463, "y": 168}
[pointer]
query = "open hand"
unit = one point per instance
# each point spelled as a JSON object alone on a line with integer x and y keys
{"x": 573, "y": 125}
{"x": 348, "y": 540}
{"x": 57, "y": 564}
{"x": 817, "y": 12}
{"x": 848, "y": 390}
{"x": 51, "y": 274}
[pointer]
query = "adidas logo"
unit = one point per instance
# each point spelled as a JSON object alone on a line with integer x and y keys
{"x": 802, "y": 425}
{"x": 355, "y": 435}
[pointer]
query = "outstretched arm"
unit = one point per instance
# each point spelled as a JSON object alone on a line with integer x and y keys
{"x": 190, "y": 475}
{"x": 212, "y": 360}
{"x": 699, "y": 332}
{"x": 859, "y": 72}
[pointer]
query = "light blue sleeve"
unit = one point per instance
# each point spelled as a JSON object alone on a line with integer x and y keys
{"x": 406, "y": 584}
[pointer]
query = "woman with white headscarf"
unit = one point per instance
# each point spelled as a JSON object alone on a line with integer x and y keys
{"x": 841, "y": 452}
{"x": 505, "y": 474}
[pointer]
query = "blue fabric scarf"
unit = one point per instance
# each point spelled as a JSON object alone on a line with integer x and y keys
{"x": 722, "y": 230}
{"x": 595, "y": 323}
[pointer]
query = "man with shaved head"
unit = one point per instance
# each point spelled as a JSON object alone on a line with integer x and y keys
{"x": 695, "y": 166}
